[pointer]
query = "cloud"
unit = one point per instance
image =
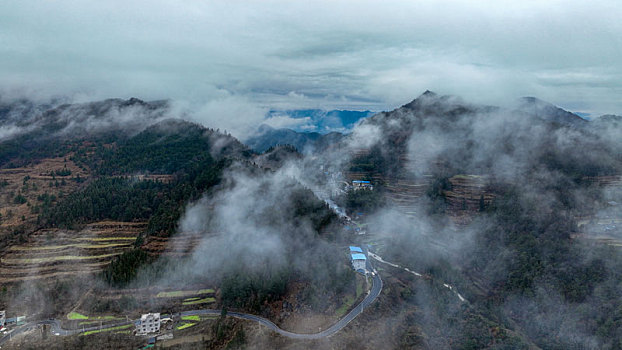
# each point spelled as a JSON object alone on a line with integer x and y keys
{"x": 286, "y": 54}
{"x": 235, "y": 114}
{"x": 284, "y": 121}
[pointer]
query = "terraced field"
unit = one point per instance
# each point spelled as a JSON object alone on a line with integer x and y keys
{"x": 404, "y": 193}
{"x": 179, "y": 245}
{"x": 53, "y": 252}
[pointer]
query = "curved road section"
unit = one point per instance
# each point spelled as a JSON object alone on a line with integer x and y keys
{"x": 371, "y": 296}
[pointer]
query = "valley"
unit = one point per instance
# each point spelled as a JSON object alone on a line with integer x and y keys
{"x": 239, "y": 247}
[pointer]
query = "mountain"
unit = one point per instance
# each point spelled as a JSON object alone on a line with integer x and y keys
{"x": 608, "y": 120}
{"x": 549, "y": 112}
{"x": 112, "y": 115}
{"x": 460, "y": 135}
{"x": 305, "y": 142}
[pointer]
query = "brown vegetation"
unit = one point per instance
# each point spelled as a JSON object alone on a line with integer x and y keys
{"x": 53, "y": 252}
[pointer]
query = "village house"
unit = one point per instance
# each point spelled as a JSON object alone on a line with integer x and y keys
{"x": 149, "y": 323}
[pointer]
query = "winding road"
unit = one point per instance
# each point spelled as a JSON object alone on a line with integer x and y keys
{"x": 375, "y": 290}
{"x": 450, "y": 287}
{"x": 373, "y": 294}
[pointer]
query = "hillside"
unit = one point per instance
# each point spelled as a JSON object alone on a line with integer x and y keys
{"x": 481, "y": 220}
{"x": 492, "y": 197}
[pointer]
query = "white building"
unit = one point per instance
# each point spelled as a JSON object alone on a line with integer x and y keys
{"x": 149, "y": 323}
{"x": 2, "y": 318}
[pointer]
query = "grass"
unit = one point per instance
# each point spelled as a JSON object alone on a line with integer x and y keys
{"x": 76, "y": 316}
{"x": 349, "y": 300}
{"x": 191, "y": 318}
{"x": 108, "y": 329}
{"x": 359, "y": 289}
{"x": 185, "y": 325}
{"x": 183, "y": 293}
{"x": 56, "y": 258}
{"x": 75, "y": 245}
{"x": 200, "y": 301}
{"x": 191, "y": 299}
{"x": 103, "y": 239}
{"x": 94, "y": 320}
{"x": 464, "y": 176}
{"x": 106, "y": 318}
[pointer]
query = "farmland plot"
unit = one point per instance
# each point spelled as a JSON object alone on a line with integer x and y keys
{"x": 54, "y": 252}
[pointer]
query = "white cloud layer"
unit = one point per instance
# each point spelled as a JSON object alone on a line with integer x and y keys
{"x": 346, "y": 54}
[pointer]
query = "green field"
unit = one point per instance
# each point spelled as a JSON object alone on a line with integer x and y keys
{"x": 108, "y": 329}
{"x": 74, "y": 245}
{"x": 191, "y": 318}
{"x": 185, "y": 325}
{"x": 200, "y": 301}
{"x": 103, "y": 239}
{"x": 76, "y": 316}
{"x": 56, "y": 258}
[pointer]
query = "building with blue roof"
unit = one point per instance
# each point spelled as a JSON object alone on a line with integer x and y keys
{"x": 355, "y": 249}
{"x": 362, "y": 185}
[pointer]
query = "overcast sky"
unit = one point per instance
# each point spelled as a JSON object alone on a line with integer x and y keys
{"x": 329, "y": 54}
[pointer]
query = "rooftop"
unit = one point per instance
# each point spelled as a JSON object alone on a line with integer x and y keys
{"x": 147, "y": 316}
{"x": 355, "y": 249}
{"x": 357, "y": 256}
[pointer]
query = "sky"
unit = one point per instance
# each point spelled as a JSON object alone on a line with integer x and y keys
{"x": 252, "y": 56}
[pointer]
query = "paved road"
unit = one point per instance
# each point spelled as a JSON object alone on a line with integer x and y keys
{"x": 55, "y": 328}
{"x": 371, "y": 296}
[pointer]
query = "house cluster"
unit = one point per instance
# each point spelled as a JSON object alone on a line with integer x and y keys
{"x": 359, "y": 260}
{"x": 362, "y": 185}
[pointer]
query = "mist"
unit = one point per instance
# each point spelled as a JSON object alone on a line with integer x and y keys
{"x": 535, "y": 171}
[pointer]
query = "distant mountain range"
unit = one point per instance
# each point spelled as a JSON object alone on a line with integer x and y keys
{"x": 305, "y": 142}
{"x": 308, "y": 136}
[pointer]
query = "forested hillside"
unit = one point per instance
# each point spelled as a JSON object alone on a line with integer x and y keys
{"x": 516, "y": 248}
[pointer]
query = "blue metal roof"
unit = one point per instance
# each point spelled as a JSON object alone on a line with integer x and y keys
{"x": 361, "y": 182}
{"x": 356, "y": 256}
{"x": 355, "y": 249}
